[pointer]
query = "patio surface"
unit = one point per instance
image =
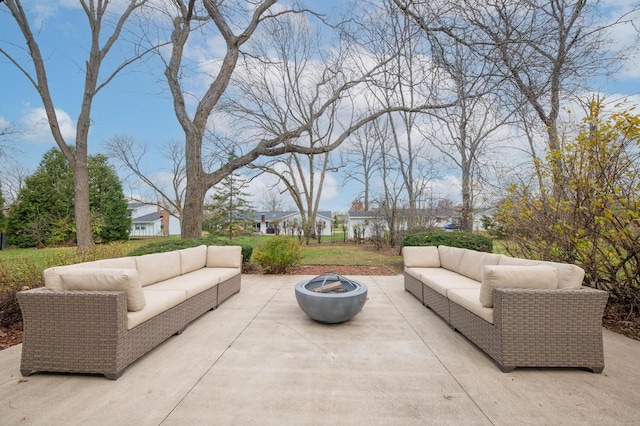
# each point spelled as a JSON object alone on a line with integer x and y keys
{"x": 258, "y": 359}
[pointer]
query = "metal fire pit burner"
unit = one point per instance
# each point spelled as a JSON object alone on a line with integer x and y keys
{"x": 331, "y": 298}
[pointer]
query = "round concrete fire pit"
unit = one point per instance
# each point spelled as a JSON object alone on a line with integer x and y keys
{"x": 331, "y": 298}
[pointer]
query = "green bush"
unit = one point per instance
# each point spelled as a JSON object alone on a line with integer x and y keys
{"x": 278, "y": 254}
{"x": 164, "y": 245}
{"x": 464, "y": 240}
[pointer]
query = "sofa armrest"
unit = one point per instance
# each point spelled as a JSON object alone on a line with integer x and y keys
{"x": 531, "y": 311}
{"x": 72, "y": 317}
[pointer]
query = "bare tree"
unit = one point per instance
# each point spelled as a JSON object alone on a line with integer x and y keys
{"x": 273, "y": 201}
{"x": 332, "y": 87}
{"x": 362, "y": 153}
{"x": 409, "y": 79}
{"x": 7, "y": 132}
{"x": 134, "y": 157}
{"x": 13, "y": 177}
{"x": 99, "y": 17}
{"x": 473, "y": 122}
{"x": 543, "y": 49}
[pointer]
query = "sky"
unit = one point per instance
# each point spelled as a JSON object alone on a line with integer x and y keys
{"x": 137, "y": 103}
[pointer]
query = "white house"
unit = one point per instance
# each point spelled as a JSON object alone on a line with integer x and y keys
{"x": 363, "y": 220}
{"x": 266, "y": 222}
{"x": 152, "y": 221}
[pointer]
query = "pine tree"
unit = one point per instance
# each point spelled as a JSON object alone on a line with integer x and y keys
{"x": 229, "y": 209}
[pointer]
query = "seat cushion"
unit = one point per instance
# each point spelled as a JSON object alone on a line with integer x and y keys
{"x": 444, "y": 283}
{"x": 569, "y": 276}
{"x": 197, "y": 281}
{"x": 473, "y": 262}
{"x": 157, "y": 267}
{"x": 107, "y": 279}
{"x": 421, "y": 257}
{"x": 417, "y": 273}
{"x": 224, "y": 257}
{"x": 450, "y": 257}
{"x": 468, "y": 298}
{"x": 158, "y": 301}
{"x": 515, "y": 276}
{"x": 192, "y": 259}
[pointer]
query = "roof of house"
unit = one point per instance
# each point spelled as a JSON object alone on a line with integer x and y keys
{"x": 151, "y": 217}
{"x": 271, "y": 216}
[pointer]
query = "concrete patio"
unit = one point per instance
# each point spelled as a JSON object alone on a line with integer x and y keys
{"x": 259, "y": 360}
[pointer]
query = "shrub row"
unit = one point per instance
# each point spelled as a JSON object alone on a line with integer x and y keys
{"x": 171, "y": 245}
{"x": 464, "y": 240}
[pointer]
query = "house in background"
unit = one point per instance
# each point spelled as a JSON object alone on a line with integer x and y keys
{"x": 152, "y": 221}
{"x": 266, "y": 222}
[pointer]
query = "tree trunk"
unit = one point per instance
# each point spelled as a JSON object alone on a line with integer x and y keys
{"x": 193, "y": 207}
{"x": 84, "y": 234}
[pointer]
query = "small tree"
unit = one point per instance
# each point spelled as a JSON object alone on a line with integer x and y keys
{"x": 595, "y": 221}
{"x": 230, "y": 207}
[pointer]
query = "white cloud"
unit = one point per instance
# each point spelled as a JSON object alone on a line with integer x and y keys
{"x": 36, "y": 126}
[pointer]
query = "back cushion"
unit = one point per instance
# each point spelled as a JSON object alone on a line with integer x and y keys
{"x": 473, "y": 262}
{"x": 107, "y": 279}
{"x": 421, "y": 257}
{"x": 515, "y": 276}
{"x": 157, "y": 267}
{"x": 224, "y": 257}
{"x": 53, "y": 281}
{"x": 569, "y": 276}
{"x": 450, "y": 257}
{"x": 192, "y": 259}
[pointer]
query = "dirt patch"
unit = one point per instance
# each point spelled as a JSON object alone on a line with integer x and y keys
{"x": 341, "y": 270}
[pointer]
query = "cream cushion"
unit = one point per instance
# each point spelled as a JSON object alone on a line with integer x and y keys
{"x": 157, "y": 303}
{"x": 516, "y": 276}
{"x": 443, "y": 283}
{"x": 192, "y": 259}
{"x": 421, "y": 257}
{"x": 52, "y": 275}
{"x": 473, "y": 262}
{"x": 197, "y": 281}
{"x": 468, "y": 299}
{"x": 158, "y": 267}
{"x": 418, "y": 273}
{"x": 224, "y": 257}
{"x": 569, "y": 276}
{"x": 107, "y": 279}
{"x": 450, "y": 257}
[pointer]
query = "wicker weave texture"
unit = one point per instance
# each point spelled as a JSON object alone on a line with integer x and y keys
{"x": 413, "y": 286}
{"x": 86, "y": 331}
{"x": 532, "y": 328}
{"x": 436, "y": 302}
{"x": 228, "y": 288}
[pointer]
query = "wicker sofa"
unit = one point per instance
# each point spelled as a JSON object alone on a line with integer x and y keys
{"x": 99, "y": 317}
{"x": 522, "y": 313}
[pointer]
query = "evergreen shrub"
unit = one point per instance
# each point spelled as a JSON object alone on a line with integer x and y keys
{"x": 466, "y": 240}
{"x": 166, "y": 245}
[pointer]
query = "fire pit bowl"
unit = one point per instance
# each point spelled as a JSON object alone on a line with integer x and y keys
{"x": 331, "y": 298}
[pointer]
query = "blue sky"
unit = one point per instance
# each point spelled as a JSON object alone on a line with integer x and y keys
{"x": 137, "y": 103}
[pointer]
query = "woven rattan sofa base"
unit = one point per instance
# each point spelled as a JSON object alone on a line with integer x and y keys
{"x": 86, "y": 331}
{"x": 429, "y": 298}
{"x": 413, "y": 286}
{"x": 533, "y": 328}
